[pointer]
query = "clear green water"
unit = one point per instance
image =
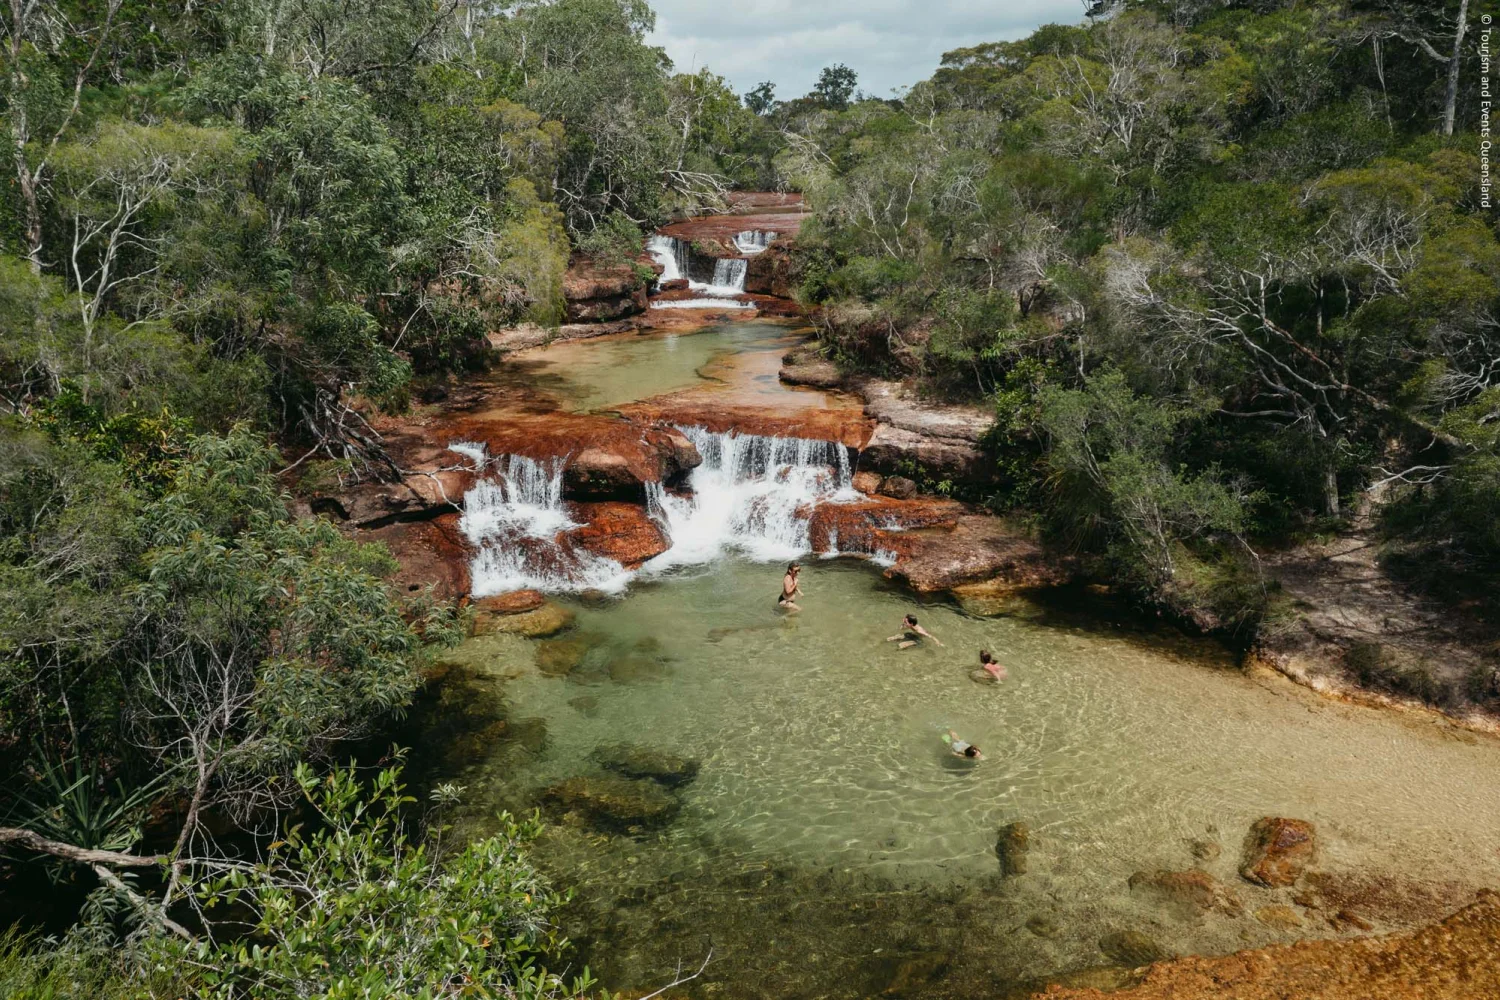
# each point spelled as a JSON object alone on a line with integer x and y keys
{"x": 598, "y": 374}
{"x": 829, "y": 847}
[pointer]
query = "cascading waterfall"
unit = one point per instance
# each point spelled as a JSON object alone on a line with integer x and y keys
{"x": 752, "y": 495}
{"x": 753, "y": 241}
{"x": 516, "y": 519}
{"x": 674, "y": 256}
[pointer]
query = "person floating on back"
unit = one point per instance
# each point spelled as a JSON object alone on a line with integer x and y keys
{"x": 991, "y": 666}
{"x": 960, "y": 748}
{"x": 911, "y": 633}
{"x": 790, "y": 588}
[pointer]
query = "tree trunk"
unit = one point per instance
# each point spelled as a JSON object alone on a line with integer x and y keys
{"x": 1331, "y": 489}
{"x": 1450, "y": 110}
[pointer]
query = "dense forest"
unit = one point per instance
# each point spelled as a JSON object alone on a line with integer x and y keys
{"x": 1222, "y": 267}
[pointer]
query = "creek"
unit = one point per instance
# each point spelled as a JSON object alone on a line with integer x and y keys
{"x": 825, "y": 843}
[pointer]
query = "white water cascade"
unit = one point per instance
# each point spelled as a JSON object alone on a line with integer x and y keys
{"x": 516, "y": 520}
{"x": 753, "y": 241}
{"x": 728, "y": 281}
{"x": 752, "y": 496}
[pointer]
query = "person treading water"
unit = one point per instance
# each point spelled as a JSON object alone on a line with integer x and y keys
{"x": 990, "y": 665}
{"x": 790, "y": 588}
{"x": 911, "y": 633}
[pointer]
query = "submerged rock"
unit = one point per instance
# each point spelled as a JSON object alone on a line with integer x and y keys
{"x": 1206, "y": 850}
{"x": 1282, "y": 918}
{"x": 1131, "y": 948}
{"x": 661, "y": 766}
{"x": 904, "y": 974}
{"x": 1011, "y": 848}
{"x": 513, "y": 603}
{"x": 549, "y": 619}
{"x": 1277, "y": 851}
{"x": 1043, "y": 927}
{"x": 1194, "y": 891}
{"x": 560, "y": 657}
{"x": 613, "y": 803}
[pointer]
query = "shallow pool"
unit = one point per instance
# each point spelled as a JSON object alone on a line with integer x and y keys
{"x": 829, "y": 846}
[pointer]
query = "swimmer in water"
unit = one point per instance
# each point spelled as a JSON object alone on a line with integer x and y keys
{"x": 790, "y": 588}
{"x": 911, "y": 633}
{"x": 991, "y": 666}
{"x": 961, "y": 748}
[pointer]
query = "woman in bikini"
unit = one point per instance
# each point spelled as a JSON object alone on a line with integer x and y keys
{"x": 790, "y": 588}
{"x": 991, "y": 666}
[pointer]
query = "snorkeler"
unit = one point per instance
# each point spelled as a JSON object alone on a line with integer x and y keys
{"x": 911, "y": 633}
{"x": 991, "y": 666}
{"x": 961, "y": 748}
{"x": 790, "y": 588}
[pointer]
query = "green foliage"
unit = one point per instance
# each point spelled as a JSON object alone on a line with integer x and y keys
{"x": 355, "y": 908}
{"x": 835, "y": 86}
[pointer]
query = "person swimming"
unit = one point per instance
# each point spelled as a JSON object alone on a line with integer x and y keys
{"x": 991, "y": 666}
{"x": 911, "y": 633}
{"x": 790, "y": 588}
{"x": 961, "y": 748}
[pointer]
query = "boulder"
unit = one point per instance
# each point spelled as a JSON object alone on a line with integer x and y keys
{"x": 624, "y": 532}
{"x": 1277, "y": 851}
{"x": 613, "y": 803}
{"x": 1131, "y": 948}
{"x": 943, "y": 440}
{"x": 621, "y": 467}
{"x": 549, "y": 619}
{"x": 772, "y": 271}
{"x": 867, "y": 482}
{"x": 661, "y": 766}
{"x": 805, "y": 367}
{"x": 898, "y": 487}
{"x": 1011, "y": 847}
{"x": 513, "y": 603}
{"x": 674, "y": 285}
{"x": 1193, "y": 891}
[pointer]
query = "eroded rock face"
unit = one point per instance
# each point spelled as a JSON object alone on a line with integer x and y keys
{"x": 596, "y": 294}
{"x": 606, "y": 469}
{"x": 942, "y": 440}
{"x": 772, "y": 271}
{"x": 1277, "y": 851}
{"x": 661, "y": 766}
{"x": 807, "y": 367}
{"x": 613, "y": 803}
{"x": 1192, "y": 891}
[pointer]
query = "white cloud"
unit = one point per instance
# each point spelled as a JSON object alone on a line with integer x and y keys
{"x": 889, "y": 43}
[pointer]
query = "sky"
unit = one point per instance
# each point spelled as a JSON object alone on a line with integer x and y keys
{"x": 889, "y": 43}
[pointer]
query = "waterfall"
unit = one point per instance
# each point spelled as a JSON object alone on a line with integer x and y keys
{"x": 675, "y": 257}
{"x": 515, "y": 519}
{"x": 752, "y": 495}
{"x": 729, "y": 276}
{"x": 672, "y": 254}
{"x": 753, "y": 241}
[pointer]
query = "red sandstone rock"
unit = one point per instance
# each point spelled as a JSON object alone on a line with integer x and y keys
{"x": 599, "y": 294}
{"x": 624, "y": 532}
{"x": 867, "y": 482}
{"x": 846, "y": 425}
{"x": 879, "y": 524}
{"x": 429, "y": 553}
{"x": 1277, "y": 851}
{"x": 675, "y": 285}
{"x": 978, "y": 548}
{"x": 513, "y": 603}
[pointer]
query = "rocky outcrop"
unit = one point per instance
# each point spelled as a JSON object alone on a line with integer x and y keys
{"x": 978, "y": 548}
{"x": 805, "y": 366}
{"x": 1454, "y": 959}
{"x": 604, "y": 469}
{"x": 1277, "y": 851}
{"x": 942, "y": 441}
{"x": 529, "y": 335}
{"x": 514, "y": 603}
{"x": 598, "y": 294}
{"x": 431, "y": 553}
{"x": 772, "y": 271}
{"x": 613, "y": 803}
